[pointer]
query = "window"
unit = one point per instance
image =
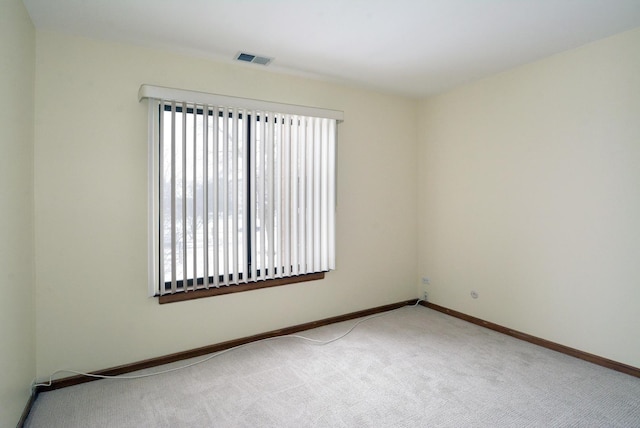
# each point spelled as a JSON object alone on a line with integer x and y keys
{"x": 242, "y": 192}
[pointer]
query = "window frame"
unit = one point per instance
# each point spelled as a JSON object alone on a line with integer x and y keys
{"x": 158, "y": 96}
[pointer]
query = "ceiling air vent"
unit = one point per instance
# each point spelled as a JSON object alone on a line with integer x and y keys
{"x": 255, "y": 59}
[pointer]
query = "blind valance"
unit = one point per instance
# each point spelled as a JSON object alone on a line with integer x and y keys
{"x": 195, "y": 97}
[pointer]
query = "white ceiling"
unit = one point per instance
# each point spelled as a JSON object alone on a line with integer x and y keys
{"x": 409, "y": 47}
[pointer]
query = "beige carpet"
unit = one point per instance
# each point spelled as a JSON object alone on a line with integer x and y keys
{"x": 413, "y": 367}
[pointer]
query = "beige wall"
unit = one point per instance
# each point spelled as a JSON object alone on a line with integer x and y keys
{"x": 529, "y": 194}
{"x": 17, "y": 316}
{"x": 91, "y": 212}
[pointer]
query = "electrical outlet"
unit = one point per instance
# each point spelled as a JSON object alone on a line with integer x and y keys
{"x": 425, "y": 280}
{"x": 424, "y": 296}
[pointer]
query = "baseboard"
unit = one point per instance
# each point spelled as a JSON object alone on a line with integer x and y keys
{"x": 210, "y": 349}
{"x": 27, "y": 408}
{"x": 595, "y": 359}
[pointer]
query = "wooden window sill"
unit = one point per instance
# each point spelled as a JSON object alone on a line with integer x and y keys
{"x": 210, "y": 292}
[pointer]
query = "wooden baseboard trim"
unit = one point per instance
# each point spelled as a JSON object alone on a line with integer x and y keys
{"x": 210, "y": 349}
{"x": 595, "y": 359}
{"x": 27, "y": 408}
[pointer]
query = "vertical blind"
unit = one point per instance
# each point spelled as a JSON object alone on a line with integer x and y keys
{"x": 240, "y": 190}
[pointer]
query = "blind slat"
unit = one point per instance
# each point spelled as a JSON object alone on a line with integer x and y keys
{"x": 194, "y": 200}
{"x": 331, "y": 195}
{"x": 261, "y": 197}
{"x": 270, "y": 190}
{"x": 156, "y": 262}
{"x": 294, "y": 195}
{"x": 242, "y": 197}
{"x": 224, "y": 271}
{"x": 234, "y": 197}
{"x": 302, "y": 198}
{"x": 184, "y": 217}
{"x": 252, "y": 198}
{"x": 277, "y": 196}
{"x": 286, "y": 196}
{"x": 173, "y": 199}
{"x": 215, "y": 235}
{"x": 310, "y": 221}
{"x": 205, "y": 194}
{"x": 317, "y": 196}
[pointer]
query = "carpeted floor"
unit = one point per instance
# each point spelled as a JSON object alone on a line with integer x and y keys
{"x": 413, "y": 367}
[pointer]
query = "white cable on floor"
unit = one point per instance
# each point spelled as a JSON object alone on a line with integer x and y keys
{"x": 294, "y": 336}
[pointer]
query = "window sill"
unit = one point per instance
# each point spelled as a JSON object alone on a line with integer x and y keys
{"x": 210, "y": 292}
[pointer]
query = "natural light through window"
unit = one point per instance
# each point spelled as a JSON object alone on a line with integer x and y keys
{"x": 239, "y": 194}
